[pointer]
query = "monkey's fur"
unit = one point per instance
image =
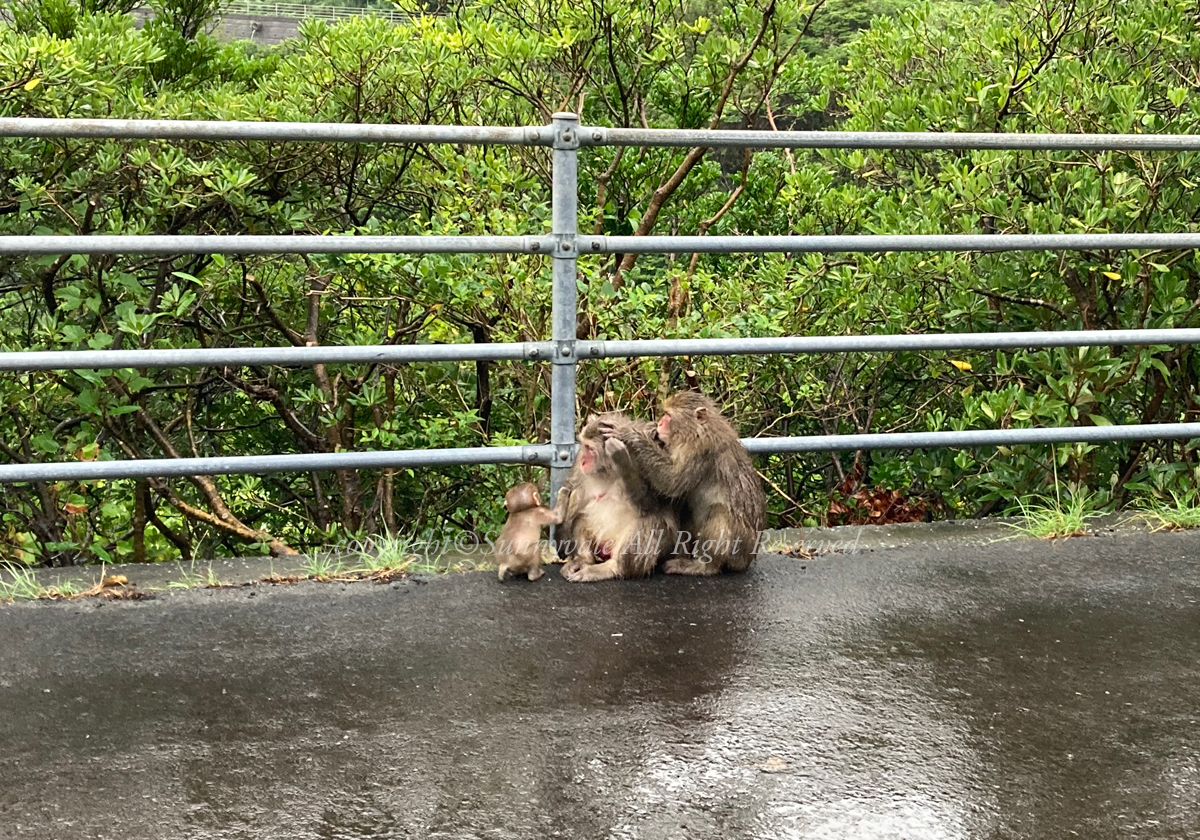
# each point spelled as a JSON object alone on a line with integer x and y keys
{"x": 702, "y": 462}
{"x": 614, "y": 526}
{"x": 519, "y": 550}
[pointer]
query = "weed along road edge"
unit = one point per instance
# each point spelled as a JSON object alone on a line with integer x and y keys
{"x": 951, "y": 689}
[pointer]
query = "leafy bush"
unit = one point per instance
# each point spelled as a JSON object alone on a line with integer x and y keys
{"x": 1036, "y": 65}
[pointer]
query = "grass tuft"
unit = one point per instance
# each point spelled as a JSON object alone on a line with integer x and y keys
{"x": 190, "y": 579}
{"x": 322, "y": 567}
{"x": 1183, "y": 514}
{"x": 402, "y": 555}
{"x": 65, "y": 590}
{"x": 387, "y": 554}
{"x": 22, "y": 585}
{"x": 1048, "y": 519}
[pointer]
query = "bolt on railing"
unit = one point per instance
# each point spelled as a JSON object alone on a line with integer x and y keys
{"x": 564, "y": 136}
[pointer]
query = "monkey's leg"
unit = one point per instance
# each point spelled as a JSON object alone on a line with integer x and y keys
{"x": 502, "y": 571}
{"x": 527, "y": 563}
{"x": 699, "y": 559}
{"x": 640, "y": 554}
{"x": 743, "y": 553}
{"x": 582, "y": 557}
{"x": 608, "y": 570}
{"x": 640, "y": 565}
{"x": 729, "y": 544}
{"x": 690, "y": 566}
{"x": 683, "y": 543}
{"x": 722, "y": 544}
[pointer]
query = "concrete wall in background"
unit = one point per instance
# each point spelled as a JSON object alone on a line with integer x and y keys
{"x": 266, "y": 22}
{"x": 262, "y": 29}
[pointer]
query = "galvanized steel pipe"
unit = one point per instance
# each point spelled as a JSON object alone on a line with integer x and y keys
{"x": 242, "y": 464}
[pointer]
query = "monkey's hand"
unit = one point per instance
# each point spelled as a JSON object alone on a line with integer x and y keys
{"x": 615, "y": 448}
{"x": 610, "y": 428}
{"x": 622, "y": 459}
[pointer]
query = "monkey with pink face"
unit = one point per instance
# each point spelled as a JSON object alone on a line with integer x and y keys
{"x": 615, "y": 525}
{"x": 694, "y": 456}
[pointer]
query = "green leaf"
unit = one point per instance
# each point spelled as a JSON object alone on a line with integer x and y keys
{"x": 44, "y": 443}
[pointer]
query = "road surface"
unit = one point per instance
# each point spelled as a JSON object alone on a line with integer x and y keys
{"x": 959, "y": 690}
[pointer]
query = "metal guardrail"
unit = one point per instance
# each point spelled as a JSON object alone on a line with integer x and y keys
{"x": 264, "y": 8}
{"x": 564, "y": 136}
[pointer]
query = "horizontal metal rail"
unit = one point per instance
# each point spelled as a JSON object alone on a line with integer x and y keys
{"x": 544, "y": 350}
{"x": 307, "y": 132}
{"x": 275, "y": 244}
{"x": 972, "y": 437}
{"x": 596, "y": 136}
{"x": 544, "y": 454}
{"x": 242, "y": 464}
{"x": 587, "y": 135}
{"x": 883, "y": 244}
{"x": 877, "y": 343}
{"x": 255, "y": 356}
{"x": 306, "y": 244}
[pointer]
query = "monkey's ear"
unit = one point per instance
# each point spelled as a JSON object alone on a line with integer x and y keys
{"x": 702, "y": 414}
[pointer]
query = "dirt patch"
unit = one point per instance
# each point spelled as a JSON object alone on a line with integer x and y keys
{"x": 110, "y": 588}
{"x": 378, "y": 576}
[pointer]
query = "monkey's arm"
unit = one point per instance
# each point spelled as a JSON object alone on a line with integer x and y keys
{"x": 619, "y": 453}
{"x": 554, "y": 516}
{"x": 564, "y": 497}
{"x": 668, "y": 478}
{"x": 571, "y": 501}
{"x": 629, "y": 474}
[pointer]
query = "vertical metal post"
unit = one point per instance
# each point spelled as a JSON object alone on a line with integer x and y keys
{"x": 565, "y": 213}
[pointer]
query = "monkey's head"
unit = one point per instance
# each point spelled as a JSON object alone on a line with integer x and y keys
{"x": 685, "y": 414}
{"x": 591, "y": 456}
{"x": 522, "y": 497}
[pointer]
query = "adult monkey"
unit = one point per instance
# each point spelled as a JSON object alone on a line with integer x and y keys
{"x": 698, "y": 458}
{"x": 614, "y": 525}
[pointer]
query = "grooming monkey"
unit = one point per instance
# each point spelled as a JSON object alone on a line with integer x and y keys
{"x": 700, "y": 461}
{"x": 614, "y": 525}
{"x": 519, "y": 548}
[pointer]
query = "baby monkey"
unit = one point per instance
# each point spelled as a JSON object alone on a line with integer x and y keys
{"x": 519, "y": 549}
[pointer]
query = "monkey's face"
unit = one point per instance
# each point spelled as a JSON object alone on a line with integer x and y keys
{"x": 664, "y": 428}
{"x": 587, "y": 455}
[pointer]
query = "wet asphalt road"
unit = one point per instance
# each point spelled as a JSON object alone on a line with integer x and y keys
{"x": 1019, "y": 690}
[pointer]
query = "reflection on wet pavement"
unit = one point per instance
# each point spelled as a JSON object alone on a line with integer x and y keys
{"x": 1014, "y": 690}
